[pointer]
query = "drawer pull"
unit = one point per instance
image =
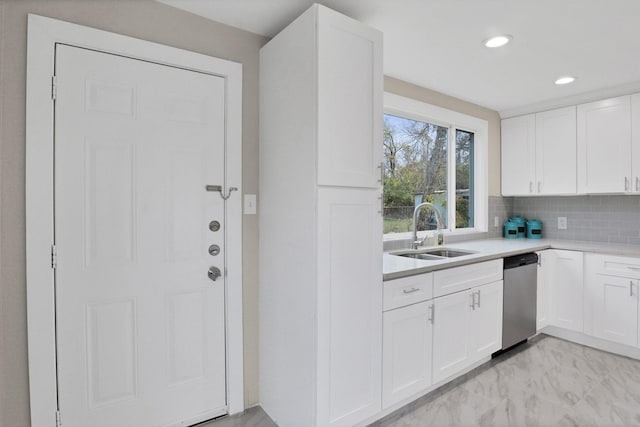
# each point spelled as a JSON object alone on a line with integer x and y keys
{"x": 634, "y": 268}
{"x": 410, "y": 291}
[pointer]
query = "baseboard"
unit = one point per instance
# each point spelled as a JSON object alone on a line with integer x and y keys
{"x": 589, "y": 341}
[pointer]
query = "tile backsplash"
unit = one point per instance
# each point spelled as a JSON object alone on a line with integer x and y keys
{"x": 608, "y": 219}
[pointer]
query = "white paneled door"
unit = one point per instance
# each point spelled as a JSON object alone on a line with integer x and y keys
{"x": 140, "y": 325}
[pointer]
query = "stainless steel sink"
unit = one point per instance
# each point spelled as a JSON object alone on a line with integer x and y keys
{"x": 433, "y": 254}
{"x": 447, "y": 253}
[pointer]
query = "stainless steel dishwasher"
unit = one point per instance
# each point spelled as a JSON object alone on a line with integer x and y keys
{"x": 520, "y": 299}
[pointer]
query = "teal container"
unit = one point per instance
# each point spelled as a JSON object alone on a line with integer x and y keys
{"x": 510, "y": 230}
{"x": 521, "y": 223}
{"x": 534, "y": 229}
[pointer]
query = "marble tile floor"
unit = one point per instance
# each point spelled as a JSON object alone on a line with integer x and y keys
{"x": 545, "y": 382}
{"x": 252, "y": 417}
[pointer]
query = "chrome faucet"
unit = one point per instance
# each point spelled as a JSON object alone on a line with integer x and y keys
{"x": 416, "y": 213}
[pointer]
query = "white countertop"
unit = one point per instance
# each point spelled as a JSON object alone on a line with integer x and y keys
{"x": 484, "y": 250}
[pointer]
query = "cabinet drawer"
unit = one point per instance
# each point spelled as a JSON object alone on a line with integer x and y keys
{"x": 614, "y": 265}
{"x": 465, "y": 277}
{"x": 407, "y": 290}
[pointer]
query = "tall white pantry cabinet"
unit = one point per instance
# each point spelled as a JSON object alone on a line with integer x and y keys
{"x": 321, "y": 99}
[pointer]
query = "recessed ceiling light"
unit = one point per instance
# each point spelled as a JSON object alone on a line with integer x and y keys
{"x": 497, "y": 41}
{"x": 565, "y": 80}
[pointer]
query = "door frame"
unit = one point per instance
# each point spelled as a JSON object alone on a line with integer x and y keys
{"x": 43, "y": 34}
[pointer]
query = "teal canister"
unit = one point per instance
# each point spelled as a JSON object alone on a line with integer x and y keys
{"x": 534, "y": 229}
{"x": 510, "y": 230}
{"x": 521, "y": 223}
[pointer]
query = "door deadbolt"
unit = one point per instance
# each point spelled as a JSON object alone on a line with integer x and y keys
{"x": 214, "y": 273}
{"x": 214, "y": 226}
{"x": 214, "y": 250}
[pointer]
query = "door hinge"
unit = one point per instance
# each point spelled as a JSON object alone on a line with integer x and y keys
{"x": 54, "y": 87}
{"x": 54, "y": 256}
{"x": 58, "y": 419}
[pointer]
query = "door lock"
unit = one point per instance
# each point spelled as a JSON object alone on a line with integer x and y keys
{"x": 214, "y": 226}
{"x": 214, "y": 250}
{"x": 214, "y": 273}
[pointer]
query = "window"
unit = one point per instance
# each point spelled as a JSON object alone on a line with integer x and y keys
{"x": 436, "y": 160}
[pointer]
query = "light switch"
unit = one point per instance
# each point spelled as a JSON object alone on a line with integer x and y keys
{"x": 249, "y": 204}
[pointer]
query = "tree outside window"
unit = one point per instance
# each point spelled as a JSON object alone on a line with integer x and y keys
{"x": 417, "y": 161}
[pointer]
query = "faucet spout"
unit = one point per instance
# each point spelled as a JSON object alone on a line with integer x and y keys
{"x": 416, "y": 213}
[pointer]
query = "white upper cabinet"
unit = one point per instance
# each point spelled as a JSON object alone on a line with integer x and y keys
{"x": 349, "y": 88}
{"x": 518, "y": 155}
{"x": 556, "y": 152}
{"x": 539, "y": 153}
{"x": 604, "y": 146}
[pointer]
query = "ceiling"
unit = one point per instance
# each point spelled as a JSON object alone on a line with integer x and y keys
{"x": 437, "y": 44}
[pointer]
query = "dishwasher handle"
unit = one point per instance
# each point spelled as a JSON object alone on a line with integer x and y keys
{"x": 520, "y": 260}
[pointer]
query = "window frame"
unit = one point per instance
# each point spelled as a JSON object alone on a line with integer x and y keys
{"x": 414, "y": 109}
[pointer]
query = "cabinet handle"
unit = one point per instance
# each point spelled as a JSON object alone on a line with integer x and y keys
{"x": 478, "y": 299}
{"x": 637, "y": 184}
{"x": 530, "y": 186}
{"x": 410, "y": 291}
{"x": 473, "y": 301}
{"x": 630, "y": 288}
{"x": 381, "y": 211}
{"x": 381, "y": 166}
{"x": 626, "y": 183}
{"x": 538, "y": 186}
{"x": 634, "y": 268}
{"x": 432, "y": 312}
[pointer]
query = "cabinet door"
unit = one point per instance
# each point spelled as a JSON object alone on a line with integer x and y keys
{"x": 350, "y": 102}
{"x": 349, "y": 317}
{"x": 518, "y": 155}
{"x": 451, "y": 334}
{"x": 485, "y": 327}
{"x": 406, "y": 355}
{"x": 604, "y": 146}
{"x": 635, "y": 143}
{"x": 615, "y": 308}
{"x": 542, "y": 306}
{"x": 565, "y": 284}
{"x": 556, "y": 152}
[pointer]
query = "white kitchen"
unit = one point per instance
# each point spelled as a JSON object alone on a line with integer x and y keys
{"x": 288, "y": 213}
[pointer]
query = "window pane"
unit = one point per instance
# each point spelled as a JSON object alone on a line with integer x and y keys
{"x": 415, "y": 171}
{"x": 464, "y": 179}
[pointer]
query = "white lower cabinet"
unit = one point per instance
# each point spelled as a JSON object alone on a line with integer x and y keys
{"x": 467, "y": 326}
{"x": 407, "y": 352}
{"x": 615, "y": 317}
{"x": 542, "y": 306}
{"x": 486, "y": 321}
{"x": 611, "y": 298}
{"x": 565, "y": 285}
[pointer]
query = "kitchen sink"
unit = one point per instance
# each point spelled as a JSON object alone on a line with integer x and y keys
{"x": 433, "y": 254}
{"x": 447, "y": 253}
